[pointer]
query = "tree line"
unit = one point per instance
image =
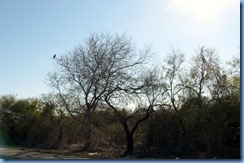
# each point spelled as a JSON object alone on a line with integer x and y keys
{"x": 106, "y": 93}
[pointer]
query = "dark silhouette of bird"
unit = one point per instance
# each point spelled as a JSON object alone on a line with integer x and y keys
{"x": 54, "y": 56}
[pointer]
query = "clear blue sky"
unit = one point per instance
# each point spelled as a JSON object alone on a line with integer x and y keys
{"x": 32, "y": 31}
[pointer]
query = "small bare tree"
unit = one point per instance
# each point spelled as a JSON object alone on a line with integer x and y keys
{"x": 87, "y": 73}
{"x": 173, "y": 76}
{"x": 205, "y": 67}
{"x": 203, "y": 74}
{"x": 144, "y": 93}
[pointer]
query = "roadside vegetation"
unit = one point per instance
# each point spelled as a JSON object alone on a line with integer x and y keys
{"x": 106, "y": 99}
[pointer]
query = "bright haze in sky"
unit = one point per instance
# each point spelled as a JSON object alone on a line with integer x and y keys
{"x": 31, "y": 32}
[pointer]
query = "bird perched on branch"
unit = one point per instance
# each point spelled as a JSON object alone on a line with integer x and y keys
{"x": 54, "y": 56}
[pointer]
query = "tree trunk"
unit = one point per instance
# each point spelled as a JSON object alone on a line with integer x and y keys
{"x": 60, "y": 134}
{"x": 129, "y": 138}
{"x": 87, "y": 129}
{"x": 130, "y": 143}
{"x": 59, "y": 139}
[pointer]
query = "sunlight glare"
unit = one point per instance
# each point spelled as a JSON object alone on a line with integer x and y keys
{"x": 203, "y": 10}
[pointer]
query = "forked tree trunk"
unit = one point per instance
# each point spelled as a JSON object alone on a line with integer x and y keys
{"x": 129, "y": 138}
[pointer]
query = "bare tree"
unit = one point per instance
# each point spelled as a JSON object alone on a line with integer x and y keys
{"x": 204, "y": 72}
{"x": 86, "y": 74}
{"x": 173, "y": 76}
{"x": 205, "y": 67}
{"x": 144, "y": 94}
